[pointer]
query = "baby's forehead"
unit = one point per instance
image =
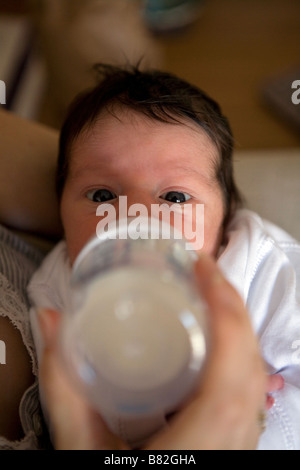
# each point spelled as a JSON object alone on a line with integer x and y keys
{"x": 111, "y": 129}
{"x": 126, "y": 115}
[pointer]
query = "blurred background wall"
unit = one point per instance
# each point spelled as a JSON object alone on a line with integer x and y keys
{"x": 245, "y": 53}
{"x": 233, "y": 49}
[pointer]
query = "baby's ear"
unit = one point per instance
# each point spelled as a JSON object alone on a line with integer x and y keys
{"x": 48, "y": 320}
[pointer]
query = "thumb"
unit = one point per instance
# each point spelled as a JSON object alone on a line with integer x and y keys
{"x": 72, "y": 423}
{"x": 48, "y": 321}
{"x": 56, "y": 394}
{"x": 64, "y": 408}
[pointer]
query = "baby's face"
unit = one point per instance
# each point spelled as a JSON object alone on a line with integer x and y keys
{"x": 149, "y": 162}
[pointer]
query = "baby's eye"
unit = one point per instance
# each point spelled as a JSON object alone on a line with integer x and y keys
{"x": 100, "y": 195}
{"x": 176, "y": 197}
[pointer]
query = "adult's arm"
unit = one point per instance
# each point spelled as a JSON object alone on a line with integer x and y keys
{"x": 28, "y": 153}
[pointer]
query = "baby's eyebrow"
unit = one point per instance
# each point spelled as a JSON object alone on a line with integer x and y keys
{"x": 211, "y": 178}
{"x": 83, "y": 170}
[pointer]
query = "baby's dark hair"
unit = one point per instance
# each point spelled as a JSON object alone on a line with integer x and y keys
{"x": 160, "y": 96}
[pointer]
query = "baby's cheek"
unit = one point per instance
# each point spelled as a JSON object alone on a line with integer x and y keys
{"x": 213, "y": 230}
{"x": 212, "y": 239}
{"x": 194, "y": 225}
{"x": 78, "y": 236}
{"x": 203, "y": 227}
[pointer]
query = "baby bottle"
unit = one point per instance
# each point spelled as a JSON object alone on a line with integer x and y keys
{"x": 135, "y": 338}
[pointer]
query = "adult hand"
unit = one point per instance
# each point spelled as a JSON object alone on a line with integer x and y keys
{"x": 73, "y": 424}
{"x": 225, "y": 411}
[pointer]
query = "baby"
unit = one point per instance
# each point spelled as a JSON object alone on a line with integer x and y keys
{"x": 156, "y": 139}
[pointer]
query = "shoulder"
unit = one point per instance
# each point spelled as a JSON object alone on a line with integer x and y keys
{"x": 256, "y": 228}
{"x": 253, "y": 247}
{"x": 54, "y": 260}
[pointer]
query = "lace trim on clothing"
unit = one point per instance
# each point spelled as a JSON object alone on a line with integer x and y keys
{"x": 36, "y": 435}
{"x": 13, "y": 307}
{"x": 28, "y": 443}
{"x": 18, "y": 261}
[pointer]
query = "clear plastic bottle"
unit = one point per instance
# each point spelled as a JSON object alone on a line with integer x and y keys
{"x": 135, "y": 339}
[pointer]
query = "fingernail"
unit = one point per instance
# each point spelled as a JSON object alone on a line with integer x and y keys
{"x": 281, "y": 381}
{"x": 269, "y": 402}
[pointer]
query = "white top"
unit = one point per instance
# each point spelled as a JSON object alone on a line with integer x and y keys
{"x": 263, "y": 263}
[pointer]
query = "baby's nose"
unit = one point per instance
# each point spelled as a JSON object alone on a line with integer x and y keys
{"x": 135, "y": 204}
